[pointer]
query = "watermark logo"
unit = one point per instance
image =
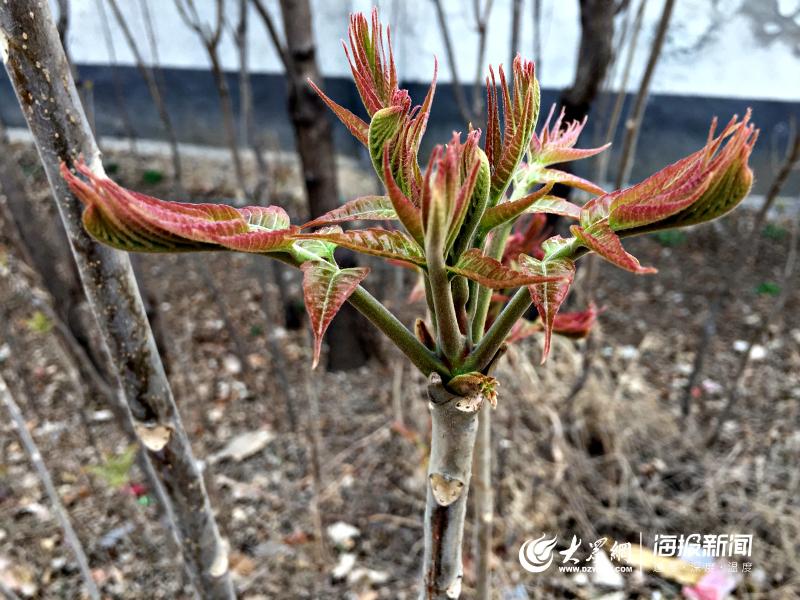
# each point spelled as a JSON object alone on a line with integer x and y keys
{"x": 536, "y": 556}
{"x": 698, "y": 550}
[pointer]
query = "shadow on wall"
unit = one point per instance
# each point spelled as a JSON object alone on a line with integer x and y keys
{"x": 673, "y": 126}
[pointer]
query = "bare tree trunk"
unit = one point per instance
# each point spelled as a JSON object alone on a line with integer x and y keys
{"x": 516, "y": 24}
{"x": 634, "y": 121}
{"x": 37, "y": 68}
{"x": 308, "y": 113}
{"x": 537, "y": 35}
{"x": 153, "y": 89}
{"x": 453, "y": 435}
{"x": 314, "y": 141}
{"x": 32, "y": 450}
{"x": 484, "y": 505}
{"x": 594, "y": 56}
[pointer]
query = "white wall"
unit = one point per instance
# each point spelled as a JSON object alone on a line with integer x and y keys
{"x": 741, "y": 48}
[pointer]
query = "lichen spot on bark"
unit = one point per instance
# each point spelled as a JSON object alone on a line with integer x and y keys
{"x": 220, "y": 565}
{"x": 3, "y": 46}
{"x": 154, "y": 437}
{"x": 454, "y": 589}
{"x": 446, "y": 489}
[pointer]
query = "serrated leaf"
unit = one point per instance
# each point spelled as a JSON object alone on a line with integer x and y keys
{"x": 599, "y": 238}
{"x": 355, "y": 125}
{"x": 325, "y": 289}
{"x": 563, "y": 178}
{"x": 383, "y": 129}
{"x": 491, "y": 273}
{"x": 520, "y": 111}
{"x": 700, "y": 187}
{"x": 556, "y": 145}
{"x": 365, "y": 208}
{"x": 547, "y": 297}
{"x": 376, "y": 242}
{"x": 507, "y": 211}
{"x": 409, "y": 214}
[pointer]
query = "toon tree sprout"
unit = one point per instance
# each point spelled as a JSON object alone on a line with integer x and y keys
{"x": 470, "y": 223}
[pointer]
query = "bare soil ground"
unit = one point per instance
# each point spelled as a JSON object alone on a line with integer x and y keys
{"x": 614, "y": 461}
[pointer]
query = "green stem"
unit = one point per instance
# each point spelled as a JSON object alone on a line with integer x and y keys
{"x": 496, "y": 248}
{"x": 490, "y": 343}
{"x": 380, "y": 316}
{"x": 425, "y": 360}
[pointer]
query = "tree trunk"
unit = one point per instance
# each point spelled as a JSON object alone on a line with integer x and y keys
{"x": 314, "y": 140}
{"x": 484, "y": 505}
{"x": 309, "y": 115}
{"x": 40, "y": 75}
{"x": 594, "y": 56}
{"x": 453, "y": 434}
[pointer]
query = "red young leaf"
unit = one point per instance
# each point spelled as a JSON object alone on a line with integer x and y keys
{"x": 547, "y": 297}
{"x": 556, "y": 145}
{"x": 355, "y": 125}
{"x": 365, "y": 208}
{"x": 132, "y": 221}
{"x": 377, "y": 242}
{"x": 555, "y": 176}
{"x": 520, "y": 112}
{"x": 325, "y": 289}
{"x": 576, "y": 324}
{"x": 698, "y": 188}
{"x": 487, "y": 271}
{"x": 599, "y": 238}
{"x": 568, "y": 324}
{"x": 408, "y": 213}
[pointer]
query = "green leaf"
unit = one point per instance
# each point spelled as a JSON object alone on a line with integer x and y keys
{"x": 39, "y": 322}
{"x": 491, "y": 273}
{"x": 510, "y": 210}
{"x": 152, "y": 176}
{"x": 768, "y": 288}
{"x": 116, "y": 469}
{"x": 670, "y": 237}
{"x": 325, "y": 289}
{"x": 384, "y": 127}
{"x": 548, "y": 296}
{"x": 395, "y": 245}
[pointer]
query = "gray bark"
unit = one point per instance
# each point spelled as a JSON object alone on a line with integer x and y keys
{"x": 453, "y": 433}
{"x": 484, "y": 505}
{"x": 40, "y": 75}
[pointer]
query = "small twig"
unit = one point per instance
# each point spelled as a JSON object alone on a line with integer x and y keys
{"x": 634, "y": 122}
{"x": 458, "y": 90}
{"x": 789, "y": 164}
{"x": 35, "y": 457}
{"x": 774, "y": 313}
{"x": 153, "y": 86}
